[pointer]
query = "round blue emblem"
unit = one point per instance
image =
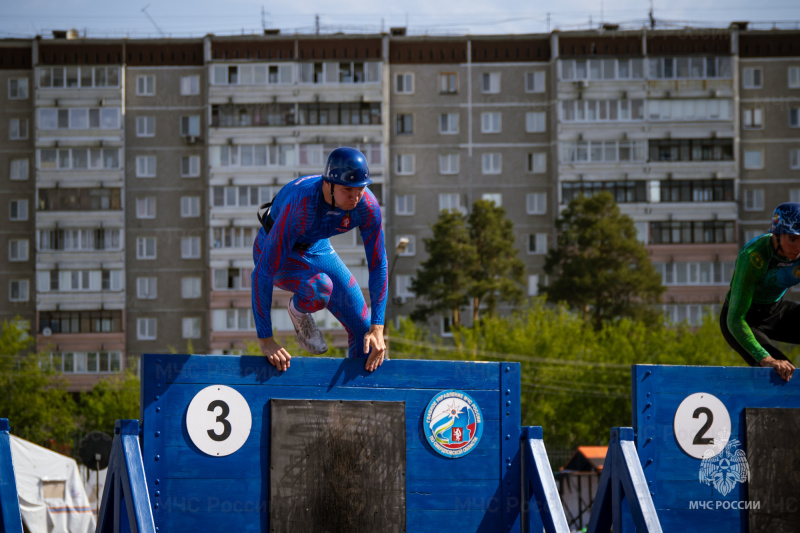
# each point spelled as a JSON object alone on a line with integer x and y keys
{"x": 453, "y": 423}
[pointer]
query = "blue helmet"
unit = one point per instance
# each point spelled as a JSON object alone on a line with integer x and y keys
{"x": 348, "y": 167}
{"x": 786, "y": 219}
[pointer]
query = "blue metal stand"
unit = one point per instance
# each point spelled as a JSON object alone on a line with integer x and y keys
{"x": 542, "y": 507}
{"x": 10, "y": 519}
{"x": 623, "y": 480}
{"x": 126, "y": 505}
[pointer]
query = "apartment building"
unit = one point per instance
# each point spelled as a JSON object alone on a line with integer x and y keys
{"x": 17, "y": 190}
{"x": 133, "y": 169}
{"x": 649, "y": 117}
{"x": 470, "y": 119}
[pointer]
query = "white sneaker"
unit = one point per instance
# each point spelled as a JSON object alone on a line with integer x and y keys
{"x": 309, "y": 337}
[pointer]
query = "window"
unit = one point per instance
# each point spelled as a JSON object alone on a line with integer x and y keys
{"x": 242, "y": 319}
{"x": 533, "y": 285}
{"x": 83, "y": 77}
{"x": 18, "y": 210}
{"x": 692, "y": 232}
{"x": 79, "y": 118}
{"x": 537, "y": 162}
{"x": 18, "y": 89}
{"x": 450, "y": 201}
{"x": 448, "y": 123}
{"x": 190, "y": 166}
{"x": 233, "y": 237}
{"x": 490, "y": 82}
{"x": 754, "y": 199}
{"x": 18, "y": 290}
{"x": 405, "y": 123}
{"x": 190, "y": 85}
{"x": 794, "y": 158}
{"x": 491, "y": 163}
{"x": 145, "y": 85}
{"x": 145, "y": 166}
{"x": 753, "y": 159}
{"x": 146, "y": 329}
{"x": 490, "y": 122}
{"x": 145, "y": 247}
{"x": 231, "y": 278}
{"x": 448, "y": 163}
{"x": 404, "y": 164}
{"x": 753, "y": 118}
{"x": 536, "y": 203}
{"x": 18, "y": 129}
{"x": 145, "y": 126}
{"x": 190, "y": 126}
{"x": 751, "y": 78}
{"x": 682, "y": 150}
{"x": 146, "y": 288}
{"x": 190, "y": 206}
{"x": 146, "y": 207}
{"x": 191, "y": 328}
{"x": 18, "y": 249}
{"x": 18, "y": 169}
{"x": 794, "y": 117}
{"x": 190, "y": 288}
{"x": 404, "y": 83}
{"x": 534, "y": 82}
{"x": 79, "y": 158}
{"x": 448, "y": 82}
{"x": 190, "y": 248}
{"x": 537, "y": 243}
{"x": 495, "y": 197}
{"x": 411, "y": 249}
{"x": 681, "y": 109}
{"x": 404, "y": 204}
{"x": 536, "y": 121}
{"x": 403, "y": 286}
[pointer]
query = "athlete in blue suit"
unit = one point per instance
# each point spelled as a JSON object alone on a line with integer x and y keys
{"x": 292, "y": 251}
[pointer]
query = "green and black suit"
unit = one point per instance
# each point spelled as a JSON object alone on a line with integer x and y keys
{"x": 755, "y": 313}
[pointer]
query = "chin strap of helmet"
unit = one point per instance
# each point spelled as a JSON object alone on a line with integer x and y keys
{"x": 333, "y": 198}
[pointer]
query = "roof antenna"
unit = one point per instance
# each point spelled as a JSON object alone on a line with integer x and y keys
{"x": 146, "y": 14}
{"x": 652, "y": 18}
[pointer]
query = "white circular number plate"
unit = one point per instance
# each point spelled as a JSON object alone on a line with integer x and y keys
{"x": 218, "y": 420}
{"x": 702, "y": 425}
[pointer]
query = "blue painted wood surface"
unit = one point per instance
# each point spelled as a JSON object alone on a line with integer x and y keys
{"x": 10, "y": 518}
{"x": 542, "y": 504}
{"x": 673, "y": 475}
{"x": 477, "y": 492}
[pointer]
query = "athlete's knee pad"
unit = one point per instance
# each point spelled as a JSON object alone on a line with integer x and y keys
{"x": 314, "y": 293}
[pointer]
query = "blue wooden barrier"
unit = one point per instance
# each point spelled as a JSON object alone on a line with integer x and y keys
{"x": 675, "y": 406}
{"x": 623, "y": 481}
{"x": 125, "y": 505}
{"x": 542, "y": 507}
{"x": 10, "y": 519}
{"x": 192, "y": 491}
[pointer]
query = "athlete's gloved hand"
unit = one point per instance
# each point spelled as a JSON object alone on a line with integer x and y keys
{"x": 785, "y": 369}
{"x": 374, "y": 340}
{"x": 276, "y": 354}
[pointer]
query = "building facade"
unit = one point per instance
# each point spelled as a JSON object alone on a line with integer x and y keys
{"x": 133, "y": 169}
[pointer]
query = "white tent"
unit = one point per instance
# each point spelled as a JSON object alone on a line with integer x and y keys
{"x": 52, "y": 498}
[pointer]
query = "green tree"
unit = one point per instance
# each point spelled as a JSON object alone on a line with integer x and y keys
{"x": 498, "y": 273}
{"x": 111, "y": 399}
{"x": 34, "y": 398}
{"x": 445, "y": 279}
{"x": 598, "y": 266}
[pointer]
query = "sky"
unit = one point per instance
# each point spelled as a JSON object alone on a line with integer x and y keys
{"x": 195, "y": 18}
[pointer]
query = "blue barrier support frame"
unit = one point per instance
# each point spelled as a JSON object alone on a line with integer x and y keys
{"x": 126, "y": 504}
{"x": 10, "y": 518}
{"x": 542, "y": 507}
{"x": 623, "y": 480}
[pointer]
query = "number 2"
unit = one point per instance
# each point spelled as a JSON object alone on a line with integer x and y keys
{"x": 226, "y": 431}
{"x": 699, "y": 437}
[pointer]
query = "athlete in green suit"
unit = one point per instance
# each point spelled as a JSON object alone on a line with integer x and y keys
{"x": 755, "y": 313}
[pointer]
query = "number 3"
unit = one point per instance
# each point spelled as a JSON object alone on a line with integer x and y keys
{"x": 221, "y": 418}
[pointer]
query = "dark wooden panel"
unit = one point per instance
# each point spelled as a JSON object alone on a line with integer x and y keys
{"x": 13, "y": 57}
{"x": 164, "y": 53}
{"x": 336, "y": 49}
{"x": 435, "y": 51}
{"x": 773, "y": 453}
{"x": 80, "y": 53}
{"x": 337, "y": 466}
{"x": 774, "y": 44}
{"x": 600, "y": 45}
{"x": 699, "y": 42}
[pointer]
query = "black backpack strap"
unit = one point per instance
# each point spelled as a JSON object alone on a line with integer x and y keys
{"x": 265, "y": 219}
